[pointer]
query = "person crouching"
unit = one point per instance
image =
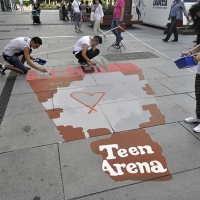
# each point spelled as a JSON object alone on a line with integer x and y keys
{"x": 85, "y": 49}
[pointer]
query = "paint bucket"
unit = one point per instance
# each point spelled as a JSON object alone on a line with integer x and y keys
{"x": 185, "y": 62}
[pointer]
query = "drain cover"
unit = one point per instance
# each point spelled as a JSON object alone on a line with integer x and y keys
{"x": 6, "y": 92}
{"x": 129, "y": 56}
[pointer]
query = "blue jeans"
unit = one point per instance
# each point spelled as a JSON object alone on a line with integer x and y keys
{"x": 115, "y": 23}
{"x": 14, "y": 60}
{"x": 173, "y": 29}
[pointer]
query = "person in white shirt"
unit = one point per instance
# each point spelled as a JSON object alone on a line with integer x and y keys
{"x": 21, "y": 46}
{"x": 21, "y": 5}
{"x": 98, "y": 17}
{"x": 77, "y": 15}
{"x": 85, "y": 49}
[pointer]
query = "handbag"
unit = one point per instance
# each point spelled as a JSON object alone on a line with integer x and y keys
{"x": 92, "y": 16}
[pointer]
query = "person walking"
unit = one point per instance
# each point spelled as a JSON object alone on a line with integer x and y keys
{"x": 21, "y": 5}
{"x": 21, "y": 46}
{"x": 71, "y": 11}
{"x": 118, "y": 15}
{"x": 83, "y": 11}
{"x": 98, "y": 18}
{"x": 64, "y": 11}
{"x": 77, "y": 16}
{"x": 175, "y": 15}
{"x": 88, "y": 8}
{"x": 194, "y": 13}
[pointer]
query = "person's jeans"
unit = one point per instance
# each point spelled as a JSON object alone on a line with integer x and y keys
{"x": 14, "y": 60}
{"x": 173, "y": 29}
{"x": 77, "y": 19}
{"x": 90, "y": 54}
{"x": 115, "y": 23}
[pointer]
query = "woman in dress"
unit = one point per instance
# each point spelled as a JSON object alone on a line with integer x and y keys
{"x": 98, "y": 17}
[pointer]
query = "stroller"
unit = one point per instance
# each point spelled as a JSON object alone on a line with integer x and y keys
{"x": 35, "y": 17}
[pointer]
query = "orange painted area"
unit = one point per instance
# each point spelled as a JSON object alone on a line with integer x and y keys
{"x": 46, "y": 87}
{"x": 69, "y": 133}
{"x": 128, "y": 161}
{"x": 89, "y": 95}
{"x": 123, "y": 67}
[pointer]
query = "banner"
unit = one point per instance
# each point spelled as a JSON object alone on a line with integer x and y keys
{"x": 155, "y": 12}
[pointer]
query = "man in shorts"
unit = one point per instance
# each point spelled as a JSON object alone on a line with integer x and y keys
{"x": 85, "y": 49}
{"x": 21, "y": 46}
{"x": 77, "y": 15}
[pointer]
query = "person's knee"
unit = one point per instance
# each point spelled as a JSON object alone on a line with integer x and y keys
{"x": 23, "y": 69}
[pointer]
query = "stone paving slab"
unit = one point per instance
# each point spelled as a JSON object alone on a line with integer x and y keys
{"x": 152, "y": 73}
{"x": 190, "y": 127}
{"x": 31, "y": 174}
{"x": 172, "y": 70}
{"x": 21, "y": 87}
{"x": 155, "y": 62}
{"x": 83, "y": 178}
{"x": 179, "y": 84}
{"x": 30, "y": 105}
{"x": 27, "y": 130}
{"x": 175, "y": 189}
{"x": 174, "y": 108}
{"x": 158, "y": 89}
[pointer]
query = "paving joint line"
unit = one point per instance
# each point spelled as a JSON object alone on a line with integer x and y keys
{"x": 62, "y": 142}
{"x": 137, "y": 183}
{"x": 190, "y": 95}
{"x": 189, "y": 131}
{"x": 166, "y": 87}
{"x": 61, "y": 171}
{"x": 161, "y": 72}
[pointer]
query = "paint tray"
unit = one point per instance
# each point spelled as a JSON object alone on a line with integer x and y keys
{"x": 185, "y": 62}
{"x": 40, "y": 61}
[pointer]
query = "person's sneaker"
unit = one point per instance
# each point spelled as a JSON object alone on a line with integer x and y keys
{"x": 192, "y": 119}
{"x": 2, "y": 71}
{"x": 117, "y": 46}
{"x": 174, "y": 40}
{"x": 197, "y": 129}
{"x": 82, "y": 63}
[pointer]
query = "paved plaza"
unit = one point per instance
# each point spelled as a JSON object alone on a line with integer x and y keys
{"x": 117, "y": 133}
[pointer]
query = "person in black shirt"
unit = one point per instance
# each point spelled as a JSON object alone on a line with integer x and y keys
{"x": 64, "y": 11}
